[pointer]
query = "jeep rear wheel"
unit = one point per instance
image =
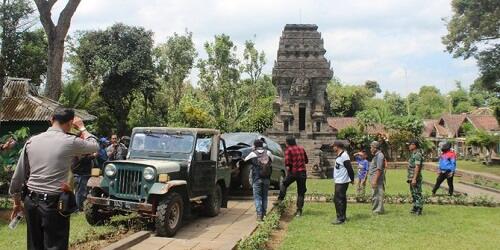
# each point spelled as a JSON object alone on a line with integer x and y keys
{"x": 213, "y": 202}
{"x": 93, "y": 216}
{"x": 169, "y": 215}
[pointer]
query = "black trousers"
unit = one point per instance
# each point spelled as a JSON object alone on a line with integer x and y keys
{"x": 300, "y": 178}
{"x": 47, "y": 229}
{"x": 448, "y": 176}
{"x": 340, "y": 200}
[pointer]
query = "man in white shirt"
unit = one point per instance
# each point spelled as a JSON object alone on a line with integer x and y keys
{"x": 343, "y": 174}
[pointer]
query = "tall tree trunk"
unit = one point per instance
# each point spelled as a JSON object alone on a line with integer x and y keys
{"x": 54, "y": 69}
{"x": 55, "y": 36}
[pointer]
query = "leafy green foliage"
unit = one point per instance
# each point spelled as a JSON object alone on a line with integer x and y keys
{"x": 346, "y": 100}
{"x": 263, "y": 232}
{"x": 174, "y": 60}
{"x": 23, "y": 50}
{"x": 429, "y": 103}
{"x": 118, "y": 61}
{"x": 8, "y": 159}
{"x": 473, "y": 32}
{"x": 483, "y": 140}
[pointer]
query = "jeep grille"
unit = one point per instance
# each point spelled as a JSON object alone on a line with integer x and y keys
{"x": 129, "y": 183}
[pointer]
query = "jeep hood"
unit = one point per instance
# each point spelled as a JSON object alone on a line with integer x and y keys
{"x": 161, "y": 166}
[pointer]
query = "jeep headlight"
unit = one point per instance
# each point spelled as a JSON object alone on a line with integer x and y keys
{"x": 110, "y": 170}
{"x": 149, "y": 173}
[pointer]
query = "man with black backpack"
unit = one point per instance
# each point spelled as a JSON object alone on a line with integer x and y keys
{"x": 261, "y": 160}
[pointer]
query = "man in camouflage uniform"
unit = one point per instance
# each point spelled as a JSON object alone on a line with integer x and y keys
{"x": 415, "y": 165}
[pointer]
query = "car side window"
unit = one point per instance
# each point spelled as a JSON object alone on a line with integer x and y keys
{"x": 203, "y": 146}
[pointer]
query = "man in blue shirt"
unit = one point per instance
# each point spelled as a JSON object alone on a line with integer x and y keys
{"x": 363, "y": 166}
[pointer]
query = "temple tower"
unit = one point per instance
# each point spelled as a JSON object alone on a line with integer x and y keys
{"x": 301, "y": 73}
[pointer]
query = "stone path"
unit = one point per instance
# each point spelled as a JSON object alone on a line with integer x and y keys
{"x": 473, "y": 191}
{"x": 220, "y": 232}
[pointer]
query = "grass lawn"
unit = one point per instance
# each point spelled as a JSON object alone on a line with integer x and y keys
{"x": 478, "y": 167}
{"x": 443, "y": 227}
{"x": 395, "y": 184}
{"x": 80, "y": 231}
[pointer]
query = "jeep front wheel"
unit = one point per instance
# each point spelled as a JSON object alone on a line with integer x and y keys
{"x": 213, "y": 202}
{"x": 169, "y": 215}
{"x": 93, "y": 216}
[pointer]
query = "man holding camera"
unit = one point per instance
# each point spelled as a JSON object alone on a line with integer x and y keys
{"x": 40, "y": 186}
{"x": 117, "y": 150}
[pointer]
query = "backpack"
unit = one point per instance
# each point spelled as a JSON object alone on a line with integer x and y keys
{"x": 264, "y": 163}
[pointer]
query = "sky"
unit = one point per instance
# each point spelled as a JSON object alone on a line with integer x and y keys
{"x": 395, "y": 42}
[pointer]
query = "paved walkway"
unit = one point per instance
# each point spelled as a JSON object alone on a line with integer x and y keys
{"x": 221, "y": 232}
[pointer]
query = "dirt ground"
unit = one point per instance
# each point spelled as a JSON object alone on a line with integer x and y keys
{"x": 279, "y": 234}
{"x": 101, "y": 243}
{"x": 5, "y": 215}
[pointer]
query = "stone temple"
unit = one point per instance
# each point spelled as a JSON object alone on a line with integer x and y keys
{"x": 301, "y": 73}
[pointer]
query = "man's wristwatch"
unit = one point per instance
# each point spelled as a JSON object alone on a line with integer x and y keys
{"x": 82, "y": 129}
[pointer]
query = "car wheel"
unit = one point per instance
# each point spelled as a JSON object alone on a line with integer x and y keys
{"x": 93, "y": 216}
{"x": 245, "y": 177}
{"x": 169, "y": 215}
{"x": 213, "y": 203}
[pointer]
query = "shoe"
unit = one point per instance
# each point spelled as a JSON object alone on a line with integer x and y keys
{"x": 419, "y": 211}
{"x": 433, "y": 193}
{"x": 298, "y": 213}
{"x": 338, "y": 222}
{"x": 260, "y": 218}
{"x": 413, "y": 210}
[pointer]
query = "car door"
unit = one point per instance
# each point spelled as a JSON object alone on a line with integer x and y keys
{"x": 203, "y": 166}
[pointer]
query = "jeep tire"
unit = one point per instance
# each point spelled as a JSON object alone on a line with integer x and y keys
{"x": 169, "y": 214}
{"x": 93, "y": 216}
{"x": 213, "y": 202}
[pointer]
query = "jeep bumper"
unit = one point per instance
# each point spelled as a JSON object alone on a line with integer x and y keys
{"x": 121, "y": 204}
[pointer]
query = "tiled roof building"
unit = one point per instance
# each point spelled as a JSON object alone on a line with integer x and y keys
{"x": 22, "y": 106}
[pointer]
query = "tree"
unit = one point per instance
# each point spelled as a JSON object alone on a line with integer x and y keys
{"x": 253, "y": 61}
{"x": 460, "y": 100}
{"x": 219, "y": 80}
{"x": 174, "y": 60}
{"x": 473, "y": 32}
{"x": 56, "y": 34}
{"x": 430, "y": 103}
{"x": 483, "y": 140}
{"x": 346, "y": 100}
{"x": 17, "y": 42}
{"x": 373, "y": 87}
{"x": 119, "y": 62}
{"x": 31, "y": 57}
{"x": 397, "y": 104}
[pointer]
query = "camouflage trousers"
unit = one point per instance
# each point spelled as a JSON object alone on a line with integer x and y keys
{"x": 416, "y": 194}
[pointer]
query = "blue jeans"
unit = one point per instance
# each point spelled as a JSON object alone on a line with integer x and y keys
{"x": 81, "y": 189}
{"x": 260, "y": 192}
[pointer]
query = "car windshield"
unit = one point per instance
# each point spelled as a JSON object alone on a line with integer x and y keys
{"x": 161, "y": 143}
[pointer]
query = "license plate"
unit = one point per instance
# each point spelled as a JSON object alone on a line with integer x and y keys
{"x": 118, "y": 204}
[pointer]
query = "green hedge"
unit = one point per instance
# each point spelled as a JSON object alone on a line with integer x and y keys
{"x": 261, "y": 235}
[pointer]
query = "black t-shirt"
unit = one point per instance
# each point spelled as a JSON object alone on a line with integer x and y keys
{"x": 82, "y": 165}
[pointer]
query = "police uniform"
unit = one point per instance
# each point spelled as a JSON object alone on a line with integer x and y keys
{"x": 42, "y": 169}
{"x": 416, "y": 159}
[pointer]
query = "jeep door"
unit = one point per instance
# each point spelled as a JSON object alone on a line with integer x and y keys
{"x": 203, "y": 167}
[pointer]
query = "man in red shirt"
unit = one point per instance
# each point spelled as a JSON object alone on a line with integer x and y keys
{"x": 295, "y": 161}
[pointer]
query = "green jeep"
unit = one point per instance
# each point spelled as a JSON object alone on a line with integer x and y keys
{"x": 168, "y": 172}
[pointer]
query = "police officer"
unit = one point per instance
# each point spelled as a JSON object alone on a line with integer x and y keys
{"x": 41, "y": 176}
{"x": 415, "y": 165}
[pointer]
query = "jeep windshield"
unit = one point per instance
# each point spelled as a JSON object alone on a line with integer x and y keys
{"x": 161, "y": 145}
